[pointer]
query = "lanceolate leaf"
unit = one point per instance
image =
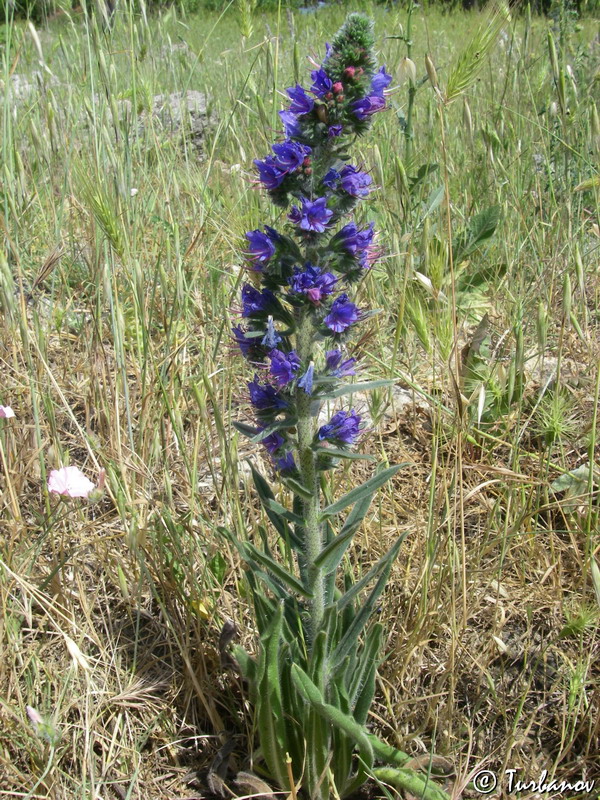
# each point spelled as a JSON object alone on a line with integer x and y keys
{"x": 273, "y": 505}
{"x": 246, "y": 430}
{"x": 366, "y": 490}
{"x": 280, "y": 572}
{"x": 360, "y": 620}
{"x": 270, "y": 715}
{"x": 334, "y": 452}
{"x": 265, "y": 494}
{"x": 353, "y": 388}
{"x": 330, "y": 556}
{"x": 332, "y": 714}
{"x": 364, "y": 684}
{"x": 384, "y": 562}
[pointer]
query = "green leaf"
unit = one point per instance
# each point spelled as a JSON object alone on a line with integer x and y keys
{"x": 274, "y": 567}
{"x": 481, "y": 227}
{"x": 273, "y": 505}
{"x": 362, "y": 688}
{"x": 331, "y": 555}
{"x": 353, "y": 388}
{"x": 411, "y": 782}
{"x": 298, "y": 488}
{"x": 334, "y": 452}
{"x": 269, "y": 705}
{"x": 366, "y": 490}
{"x": 246, "y": 663}
{"x": 360, "y": 620}
{"x": 246, "y": 430}
{"x": 384, "y": 563}
{"x": 288, "y": 422}
{"x": 422, "y": 173}
{"x": 356, "y": 516}
{"x": 344, "y": 722}
{"x": 435, "y": 199}
{"x": 265, "y": 494}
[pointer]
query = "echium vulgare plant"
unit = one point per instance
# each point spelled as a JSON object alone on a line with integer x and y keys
{"x": 313, "y": 680}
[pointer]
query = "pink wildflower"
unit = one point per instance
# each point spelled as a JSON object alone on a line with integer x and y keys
{"x": 70, "y": 481}
{"x": 6, "y": 412}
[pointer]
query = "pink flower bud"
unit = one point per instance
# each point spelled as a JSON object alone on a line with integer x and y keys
{"x": 338, "y": 87}
{"x": 349, "y": 72}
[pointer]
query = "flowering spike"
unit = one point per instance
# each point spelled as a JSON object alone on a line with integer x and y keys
{"x": 303, "y": 280}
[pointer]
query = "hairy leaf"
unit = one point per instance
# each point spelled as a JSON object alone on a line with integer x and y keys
{"x": 366, "y": 490}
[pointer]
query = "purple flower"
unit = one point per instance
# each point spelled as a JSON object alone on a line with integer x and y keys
{"x": 265, "y": 397}
{"x": 335, "y": 130}
{"x": 313, "y": 216}
{"x": 273, "y": 441}
{"x": 306, "y": 381}
{"x": 380, "y": 81}
{"x": 343, "y": 428}
{"x": 270, "y": 172}
{"x": 257, "y": 303}
{"x": 331, "y": 178}
{"x": 366, "y": 106}
{"x": 354, "y": 181}
{"x": 342, "y": 314}
{"x": 283, "y": 367}
{"x": 271, "y": 338}
{"x": 301, "y": 102}
{"x": 286, "y": 463}
{"x": 248, "y": 345}
{"x": 353, "y": 239}
{"x": 290, "y": 124}
{"x": 337, "y": 367}
{"x": 290, "y": 155}
{"x": 313, "y": 283}
{"x": 261, "y": 244}
{"x": 322, "y": 83}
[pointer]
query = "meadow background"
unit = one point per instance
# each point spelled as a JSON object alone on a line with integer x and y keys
{"x": 120, "y": 268}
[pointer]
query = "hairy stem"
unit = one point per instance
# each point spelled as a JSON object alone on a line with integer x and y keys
{"x": 309, "y": 478}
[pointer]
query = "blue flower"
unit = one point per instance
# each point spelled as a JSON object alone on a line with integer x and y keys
{"x": 290, "y": 155}
{"x": 262, "y": 246}
{"x": 306, "y": 381}
{"x": 313, "y": 283}
{"x": 322, "y": 83}
{"x": 290, "y": 124}
{"x": 271, "y": 338}
{"x": 335, "y": 130}
{"x": 265, "y": 397}
{"x": 313, "y": 216}
{"x": 331, "y": 178}
{"x": 366, "y": 106}
{"x": 337, "y": 367}
{"x": 255, "y": 303}
{"x": 301, "y": 102}
{"x": 342, "y": 314}
{"x": 286, "y": 463}
{"x": 380, "y": 81}
{"x": 283, "y": 367}
{"x": 343, "y": 428}
{"x": 273, "y": 441}
{"x": 355, "y": 182}
{"x": 352, "y": 239}
{"x": 246, "y": 344}
{"x": 270, "y": 172}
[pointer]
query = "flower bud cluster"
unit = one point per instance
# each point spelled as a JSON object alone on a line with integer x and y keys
{"x": 298, "y": 312}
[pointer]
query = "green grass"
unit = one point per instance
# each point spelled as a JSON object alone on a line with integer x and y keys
{"x": 114, "y": 351}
